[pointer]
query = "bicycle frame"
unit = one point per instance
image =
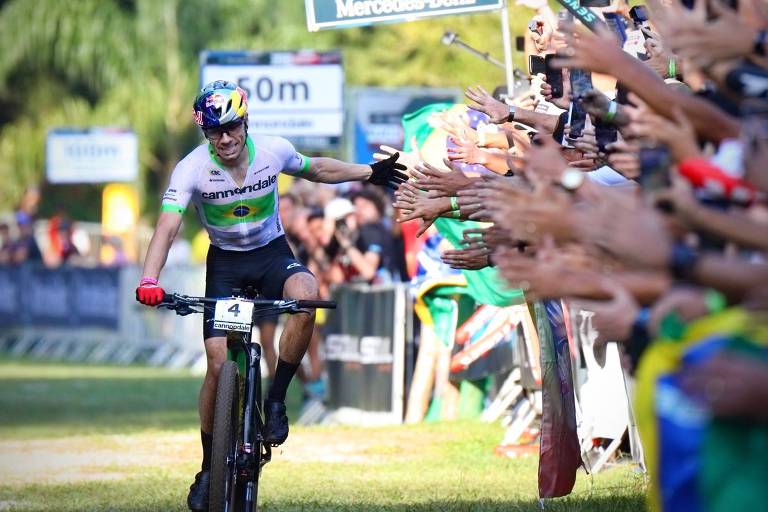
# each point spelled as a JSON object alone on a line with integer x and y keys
{"x": 249, "y": 457}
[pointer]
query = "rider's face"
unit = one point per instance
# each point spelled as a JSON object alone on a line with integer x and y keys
{"x": 228, "y": 140}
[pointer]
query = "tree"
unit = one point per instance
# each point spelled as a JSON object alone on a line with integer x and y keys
{"x": 133, "y": 63}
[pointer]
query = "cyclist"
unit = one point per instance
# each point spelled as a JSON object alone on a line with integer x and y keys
{"x": 232, "y": 181}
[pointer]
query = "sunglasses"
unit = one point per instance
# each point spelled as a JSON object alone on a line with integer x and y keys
{"x": 217, "y": 132}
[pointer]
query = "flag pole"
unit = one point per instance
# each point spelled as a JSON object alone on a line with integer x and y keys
{"x": 507, "y": 41}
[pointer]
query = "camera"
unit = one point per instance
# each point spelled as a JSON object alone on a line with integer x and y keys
{"x": 341, "y": 227}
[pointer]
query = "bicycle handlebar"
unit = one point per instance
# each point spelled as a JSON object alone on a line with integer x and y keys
{"x": 183, "y": 304}
{"x": 324, "y": 304}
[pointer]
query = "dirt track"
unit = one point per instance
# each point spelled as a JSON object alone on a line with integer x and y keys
{"x": 87, "y": 458}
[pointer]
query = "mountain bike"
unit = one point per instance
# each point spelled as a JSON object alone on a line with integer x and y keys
{"x": 239, "y": 450}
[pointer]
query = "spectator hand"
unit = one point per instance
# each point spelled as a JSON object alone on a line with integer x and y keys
{"x": 471, "y": 258}
{"x": 387, "y": 173}
{"x": 687, "y": 303}
{"x": 731, "y": 385}
{"x": 486, "y": 238}
{"x": 441, "y": 183}
{"x": 542, "y": 37}
{"x": 149, "y": 293}
{"x": 678, "y": 134}
{"x": 613, "y": 319}
{"x": 545, "y": 163}
{"x": 563, "y": 101}
{"x": 543, "y": 276}
{"x": 622, "y": 226}
{"x": 497, "y": 111}
{"x": 692, "y": 37}
{"x": 457, "y": 125}
{"x": 658, "y": 57}
{"x": 598, "y": 52}
{"x": 623, "y": 157}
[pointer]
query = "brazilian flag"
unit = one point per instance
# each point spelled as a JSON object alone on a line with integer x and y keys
{"x": 484, "y": 285}
{"x": 242, "y": 210}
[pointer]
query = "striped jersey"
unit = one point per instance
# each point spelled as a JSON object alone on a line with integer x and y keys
{"x": 237, "y": 218}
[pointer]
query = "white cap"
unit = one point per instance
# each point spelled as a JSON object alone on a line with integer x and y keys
{"x": 338, "y": 208}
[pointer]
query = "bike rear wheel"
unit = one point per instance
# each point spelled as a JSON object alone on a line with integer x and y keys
{"x": 226, "y": 423}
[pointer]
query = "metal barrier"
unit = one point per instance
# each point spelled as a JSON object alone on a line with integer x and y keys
{"x": 369, "y": 353}
{"x": 90, "y": 314}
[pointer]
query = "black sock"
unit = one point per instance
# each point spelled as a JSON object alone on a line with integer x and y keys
{"x": 283, "y": 375}
{"x": 207, "y": 440}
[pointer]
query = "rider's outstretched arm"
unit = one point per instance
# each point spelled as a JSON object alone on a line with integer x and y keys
{"x": 167, "y": 228}
{"x": 330, "y": 170}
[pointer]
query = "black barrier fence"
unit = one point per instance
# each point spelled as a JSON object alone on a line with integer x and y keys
{"x": 35, "y": 296}
{"x": 367, "y": 340}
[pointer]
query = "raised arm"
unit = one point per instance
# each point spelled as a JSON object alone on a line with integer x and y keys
{"x": 387, "y": 173}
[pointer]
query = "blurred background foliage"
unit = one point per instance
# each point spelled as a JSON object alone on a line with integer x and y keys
{"x": 134, "y": 63}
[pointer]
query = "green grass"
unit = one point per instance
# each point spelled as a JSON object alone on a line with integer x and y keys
{"x": 77, "y": 438}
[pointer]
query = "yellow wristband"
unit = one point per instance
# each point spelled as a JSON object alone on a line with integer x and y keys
{"x": 454, "y": 203}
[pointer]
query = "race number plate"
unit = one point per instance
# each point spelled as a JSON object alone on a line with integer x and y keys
{"x": 233, "y": 315}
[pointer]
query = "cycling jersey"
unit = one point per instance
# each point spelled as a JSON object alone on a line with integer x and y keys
{"x": 237, "y": 218}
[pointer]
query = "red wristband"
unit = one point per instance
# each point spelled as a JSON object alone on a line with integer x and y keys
{"x": 148, "y": 280}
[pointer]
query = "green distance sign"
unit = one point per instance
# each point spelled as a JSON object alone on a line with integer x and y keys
{"x": 324, "y": 14}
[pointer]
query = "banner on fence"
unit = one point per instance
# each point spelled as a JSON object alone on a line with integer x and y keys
{"x": 36, "y": 296}
{"x": 365, "y": 350}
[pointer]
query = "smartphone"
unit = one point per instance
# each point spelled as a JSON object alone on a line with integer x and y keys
{"x": 536, "y": 65}
{"x": 605, "y": 133}
{"x": 654, "y": 168}
{"x": 639, "y": 14}
{"x": 520, "y": 43}
{"x": 617, "y": 23}
{"x": 581, "y": 82}
{"x": 576, "y": 121}
{"x": 554, "y": 76}
{"x": 622, "y": 94}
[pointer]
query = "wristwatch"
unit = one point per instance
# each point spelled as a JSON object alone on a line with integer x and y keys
{"x": 511, "y": 116}
{"x": 571, "y": 179}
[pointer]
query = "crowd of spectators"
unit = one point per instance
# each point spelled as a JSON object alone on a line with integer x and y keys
{"x": 631, "y": 181}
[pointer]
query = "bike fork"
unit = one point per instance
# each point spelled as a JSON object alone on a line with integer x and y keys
{"x": 251, "y": 436}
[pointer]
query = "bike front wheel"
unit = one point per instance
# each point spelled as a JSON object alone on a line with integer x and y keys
{"x": 226, "y": 421}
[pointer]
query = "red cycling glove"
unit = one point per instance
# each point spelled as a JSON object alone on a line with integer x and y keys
{"x": 148, "y": 292}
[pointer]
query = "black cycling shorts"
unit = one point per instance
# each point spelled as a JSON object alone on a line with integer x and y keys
{"x": 265, "y": 268}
